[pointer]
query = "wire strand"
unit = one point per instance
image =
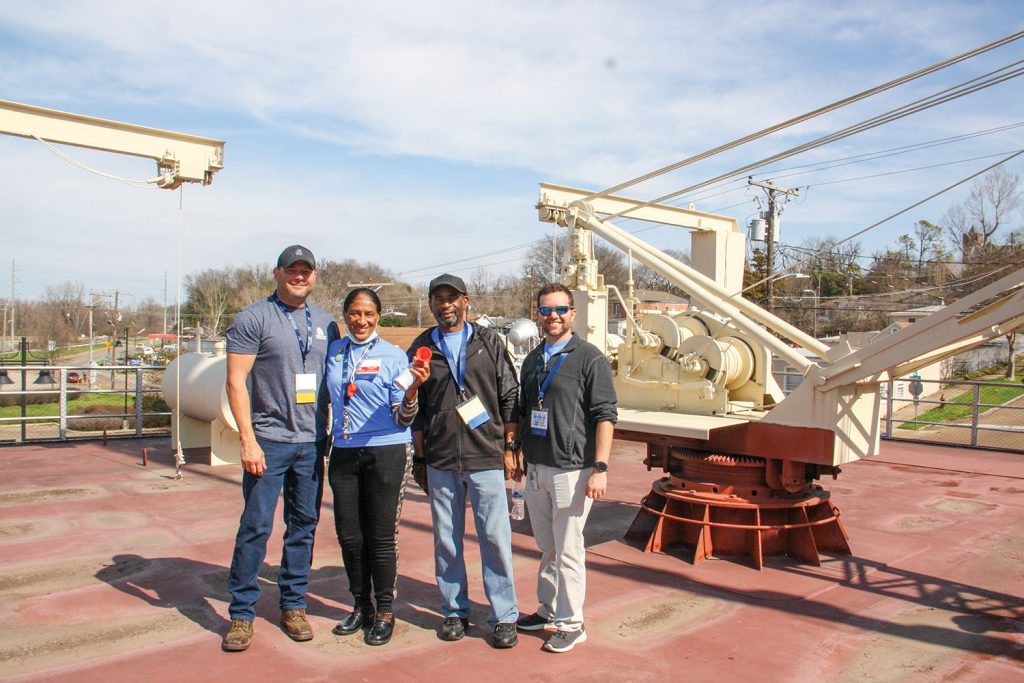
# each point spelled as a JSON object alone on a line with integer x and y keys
{"x": 813, "y": 114}
{"x": 138, "y": 184}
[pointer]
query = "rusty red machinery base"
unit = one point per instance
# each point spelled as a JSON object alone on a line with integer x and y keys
{"x": 736, "y": 506}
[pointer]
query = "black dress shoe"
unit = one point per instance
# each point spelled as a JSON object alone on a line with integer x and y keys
{"x": 454, "y": 628}
{"x": 380, "y": 632}
{"x": 356, "y": 620}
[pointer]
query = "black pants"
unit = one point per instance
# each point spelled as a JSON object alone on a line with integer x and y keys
{"x": 368, "y": 485}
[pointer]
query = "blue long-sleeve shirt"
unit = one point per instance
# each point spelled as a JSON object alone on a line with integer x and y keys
{"x": 376, "y": 414}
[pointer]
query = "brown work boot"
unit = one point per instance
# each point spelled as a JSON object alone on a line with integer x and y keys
{"x": 239, "y": 637}
{"x": 295, "y": 625}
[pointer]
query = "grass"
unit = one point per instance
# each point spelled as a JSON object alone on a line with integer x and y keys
{"x": 959, "y": 407}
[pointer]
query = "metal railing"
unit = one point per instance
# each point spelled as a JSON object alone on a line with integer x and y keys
{"x": 968, "y": 413}
{"x": 45, "y": 404}
{"x": 972, "y": 414}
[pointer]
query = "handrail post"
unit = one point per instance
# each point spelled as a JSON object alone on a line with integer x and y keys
{"x": 974, "y": 415}
{"x": 888, "y": 407}
{"x": 63, "y": 404}
{"x": 138, "y": 401}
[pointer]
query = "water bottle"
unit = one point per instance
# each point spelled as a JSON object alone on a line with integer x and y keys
{"x": 518, "y": 505}
{"x": 405, "y": 378}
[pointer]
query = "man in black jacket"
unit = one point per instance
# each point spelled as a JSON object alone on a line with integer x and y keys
{"x": 466, "y": 431}
{"x": 568, "y": 416}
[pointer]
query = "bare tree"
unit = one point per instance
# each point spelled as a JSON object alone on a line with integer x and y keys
{"x": 66, "y": 300}
{"x": 209, "y": 298}
{"x": 993, "y": 200}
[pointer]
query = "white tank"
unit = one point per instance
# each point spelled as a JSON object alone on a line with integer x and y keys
{"x": 203, "y": 387}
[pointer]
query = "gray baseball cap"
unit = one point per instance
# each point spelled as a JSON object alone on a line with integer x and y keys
{"x": 294, "y": 254}
{"x": 447, "y": 280}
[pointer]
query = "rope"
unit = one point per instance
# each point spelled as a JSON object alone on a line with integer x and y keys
{"x": 179, "y": 451}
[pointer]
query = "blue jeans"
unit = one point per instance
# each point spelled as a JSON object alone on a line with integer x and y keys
{"x": 486, "y": 491}
{"x": 297, "y": 469}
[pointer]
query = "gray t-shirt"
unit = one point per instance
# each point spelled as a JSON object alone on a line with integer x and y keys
{"x": 263, "y": 329}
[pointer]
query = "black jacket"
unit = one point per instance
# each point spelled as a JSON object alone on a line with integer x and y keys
{"x": 580, "y": 395}
{"x": 448, "y": 442}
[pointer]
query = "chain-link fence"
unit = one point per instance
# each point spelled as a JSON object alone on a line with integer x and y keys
{"x": 73, "y": 402}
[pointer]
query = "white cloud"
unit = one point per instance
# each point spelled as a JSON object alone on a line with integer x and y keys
{"x": 321, "y": 101}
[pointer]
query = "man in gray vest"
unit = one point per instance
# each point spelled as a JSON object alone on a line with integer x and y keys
{"x": 276, "y": 353}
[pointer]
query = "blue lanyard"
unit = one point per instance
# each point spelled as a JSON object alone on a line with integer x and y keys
{"x": 543, "y": 386}
{"x": 303, "y": 348}
{"x": 349, "y": 358}
{"x": 458, "y": 367}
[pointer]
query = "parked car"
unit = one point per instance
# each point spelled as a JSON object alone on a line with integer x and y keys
{"x": 75, "y": 377}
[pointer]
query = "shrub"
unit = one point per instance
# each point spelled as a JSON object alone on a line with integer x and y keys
{"x": 35, "y": 398}
{"x": 97, "y": 424}
{"x": 154, "y": 403}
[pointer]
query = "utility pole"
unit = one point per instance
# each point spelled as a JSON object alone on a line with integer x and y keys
{"x": 165, "y": 302}
{"x": 773, "y": 191}
{"x": 12, "y": 302}
{"x": 94, "y": 298}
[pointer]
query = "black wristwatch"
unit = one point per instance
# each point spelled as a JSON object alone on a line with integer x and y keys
{"x": 600, "y": 467}
{"x": 511, "y": 445}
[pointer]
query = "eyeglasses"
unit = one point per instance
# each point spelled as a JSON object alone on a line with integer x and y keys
{"x": 560, "y": 310}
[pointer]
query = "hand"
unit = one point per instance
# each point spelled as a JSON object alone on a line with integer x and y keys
{"x": 420, "y": 374}
{"x": 597, "y": 485}
{"x": 419, "y": 473}
{"x": 253, "y": 460}
{"x": 513, "y": 466}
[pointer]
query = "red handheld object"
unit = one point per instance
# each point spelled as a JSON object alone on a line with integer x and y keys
{"x": 423, "y": 356}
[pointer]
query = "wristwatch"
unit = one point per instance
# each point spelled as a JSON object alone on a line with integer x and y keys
{"x": 600, "y": 467}
{"x": 511, "y": 445}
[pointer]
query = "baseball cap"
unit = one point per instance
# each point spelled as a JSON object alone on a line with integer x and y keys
{"x": 447, "y": 280}
{"x": 294, "y": 254}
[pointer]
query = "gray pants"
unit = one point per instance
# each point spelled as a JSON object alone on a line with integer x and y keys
{"x": 558, "y": 506}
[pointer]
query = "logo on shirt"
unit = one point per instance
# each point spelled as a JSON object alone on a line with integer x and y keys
{"x": 320, "y": 334}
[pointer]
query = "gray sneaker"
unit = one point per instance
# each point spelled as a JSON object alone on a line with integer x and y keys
{"x": 563, "y": 641}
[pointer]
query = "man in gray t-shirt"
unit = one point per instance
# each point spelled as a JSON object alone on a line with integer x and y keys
{"x": 277, "y": 349}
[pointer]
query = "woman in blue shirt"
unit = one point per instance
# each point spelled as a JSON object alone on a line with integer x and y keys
{"x": 369, "y": 461}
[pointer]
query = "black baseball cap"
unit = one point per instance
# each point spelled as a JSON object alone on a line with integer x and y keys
{"x": 294, "y": 254}
{"x": 447, "y": 280}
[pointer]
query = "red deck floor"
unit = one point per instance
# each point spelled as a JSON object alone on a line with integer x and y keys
{"x": 110, "y": 571}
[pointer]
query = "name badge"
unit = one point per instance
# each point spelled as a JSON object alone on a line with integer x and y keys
{"x": 472, "y": 412}
{"x": 305, "y": 388}
{"x": 368, "y": 367}
{"x": 539, "y": 422}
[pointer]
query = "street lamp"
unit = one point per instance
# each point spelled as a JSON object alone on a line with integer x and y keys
{"x": 816, "y": 300}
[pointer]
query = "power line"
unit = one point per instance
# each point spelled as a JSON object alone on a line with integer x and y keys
{"x": 815, "y": 113}
{"x": 968, "y": 87}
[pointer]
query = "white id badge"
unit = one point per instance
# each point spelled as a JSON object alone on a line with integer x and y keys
{"x": 539, "y": 422}
{"x": 472, "y": 412}
{"x": 305, "y": 388}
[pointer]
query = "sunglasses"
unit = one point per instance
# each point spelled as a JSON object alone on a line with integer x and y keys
{"x": 560, "y": 310}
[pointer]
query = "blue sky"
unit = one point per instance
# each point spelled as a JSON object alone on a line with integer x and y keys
{"x": 414, "y": 134}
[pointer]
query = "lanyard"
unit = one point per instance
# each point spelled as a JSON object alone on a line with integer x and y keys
{"x": 349, "y": 357}
{"x": 542, "y": 387}
{"x": 458, "y": 367}
{"x": 350, "y": 387}
{"x": 303, "y": 348}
